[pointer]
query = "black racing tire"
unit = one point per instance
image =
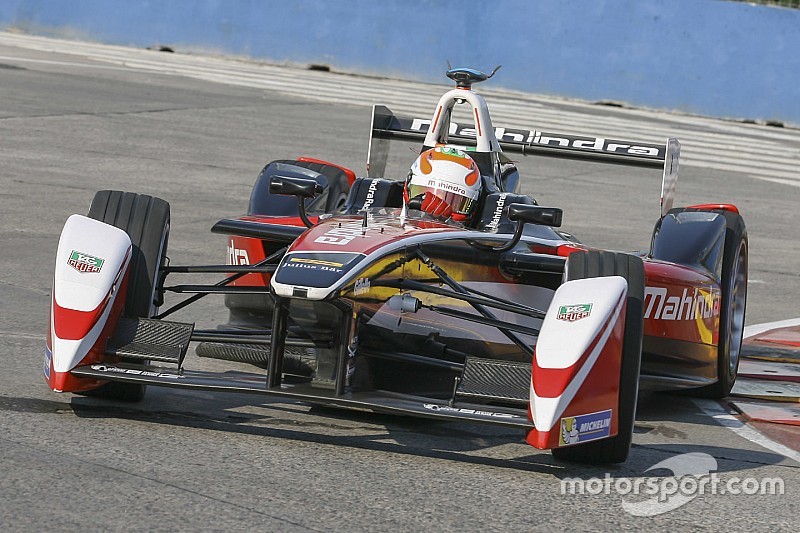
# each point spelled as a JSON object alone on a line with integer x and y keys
{"x": 733, "y": 284}
{"x": 146, "y": 220}
{"x": 595, "y": 264}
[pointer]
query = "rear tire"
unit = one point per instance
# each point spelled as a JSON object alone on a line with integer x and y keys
{"x": 146, "y": 221}
{"x": 595, "y": 264}
{"x": 733, "y": 284}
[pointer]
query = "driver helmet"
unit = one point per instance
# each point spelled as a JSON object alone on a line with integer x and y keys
{"x": 448, "y": 173}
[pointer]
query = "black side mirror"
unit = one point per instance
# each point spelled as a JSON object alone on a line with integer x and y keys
{"x": 294, "y": 187}
{"x": 298, "y": 187}
{"x": 535, "y": 214}
{"x": 529, "y": 214}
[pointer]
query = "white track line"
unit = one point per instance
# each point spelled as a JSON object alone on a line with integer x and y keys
{"x": 724, "y": 418}
{"x": 752, "y": 331}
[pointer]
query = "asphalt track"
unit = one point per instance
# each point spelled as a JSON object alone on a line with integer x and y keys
{"x": 200, "y": 461}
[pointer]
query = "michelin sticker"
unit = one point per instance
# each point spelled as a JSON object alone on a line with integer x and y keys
{"x": 583, "y": 428}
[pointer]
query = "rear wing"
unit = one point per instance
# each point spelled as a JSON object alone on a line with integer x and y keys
{"x": 387, "y": 126}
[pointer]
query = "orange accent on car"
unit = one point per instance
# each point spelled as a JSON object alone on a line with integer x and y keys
{"x": 351, "y": 176}
{"x": 725, "y": 207}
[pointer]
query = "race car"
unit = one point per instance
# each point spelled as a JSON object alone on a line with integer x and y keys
{"x": 345, "y": 291}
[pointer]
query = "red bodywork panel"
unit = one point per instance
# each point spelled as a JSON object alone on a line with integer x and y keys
{"x": 351, "y": 176}
{"x": 681, "y": 303}
{"x": 599, "y": 391}
{"x": 346, "y": 234}
{"x": 83, "y": 321}
{"x": 711, "y": 207}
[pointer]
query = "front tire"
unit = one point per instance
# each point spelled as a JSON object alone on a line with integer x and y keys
{"x": 733, "y": 284}
{"x": 595, "y": 264}
{"x": 146, "y": 221}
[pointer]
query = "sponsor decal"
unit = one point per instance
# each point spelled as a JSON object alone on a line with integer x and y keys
{"x": 84, "y": 263}
{"x": 448, "y": 409}
{"x": 455, "y": 152}
{"x": 361, "y": 286}
{"x": 373, "y": 186}
{"x": 311, "y": 265}
{"x": 533, "y": 137}
{"x": 237, "y": 256}
{"x": 583, "y": 428}
{"x": 322, "y": 262}
{"x": 48, "y": 357}
{"x": 311, "y": 269}
{"x": 131, "y": 371}
{"x": 447, "y": 186}
{"x": 571, "y": 313}
{"x": 498, "y": 212}
{"x": 661, "y": 305}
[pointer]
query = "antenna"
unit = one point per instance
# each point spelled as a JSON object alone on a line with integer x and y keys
{"x": 465, "y": 77}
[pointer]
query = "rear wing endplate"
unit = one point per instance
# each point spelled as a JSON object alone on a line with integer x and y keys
{"x": 387, "y": 126}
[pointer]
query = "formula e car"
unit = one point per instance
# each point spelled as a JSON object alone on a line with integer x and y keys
{"x": 341, "y": 293}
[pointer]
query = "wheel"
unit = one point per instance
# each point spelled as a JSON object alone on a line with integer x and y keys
{"x": 146, "y": 221}
{"x": 733, "y": 284}
{"x": 595, "y": 264}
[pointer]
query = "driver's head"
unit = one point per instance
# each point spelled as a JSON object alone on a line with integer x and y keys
{"x": 448, "y": 174}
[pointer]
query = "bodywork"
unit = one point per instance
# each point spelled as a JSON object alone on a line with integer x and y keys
{"x": 378, "y": 307}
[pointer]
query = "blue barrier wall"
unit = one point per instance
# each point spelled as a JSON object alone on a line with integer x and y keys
{"x": 710, "y": 57}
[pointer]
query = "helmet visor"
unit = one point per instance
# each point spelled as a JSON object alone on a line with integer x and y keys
{"x": 458, "y": 202}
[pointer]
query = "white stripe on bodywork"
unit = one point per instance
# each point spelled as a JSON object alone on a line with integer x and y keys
{"x": 85, "y": 292}
{"x": 546, "y": 411}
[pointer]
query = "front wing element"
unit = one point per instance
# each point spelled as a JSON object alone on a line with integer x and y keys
{"x": 577, "y": 363}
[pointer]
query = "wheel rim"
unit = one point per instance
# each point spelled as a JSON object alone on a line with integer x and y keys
{"x": 738, "y": 300}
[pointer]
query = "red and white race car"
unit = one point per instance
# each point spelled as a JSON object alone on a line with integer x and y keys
{"x": 342, "y": 291}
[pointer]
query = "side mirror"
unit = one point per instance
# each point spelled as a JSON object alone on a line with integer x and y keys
{"x": 535, "y": 214}
{"x": 529, "y": 214}
{"x": 298, "y": 187}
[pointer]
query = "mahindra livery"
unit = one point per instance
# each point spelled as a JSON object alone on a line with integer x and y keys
{"x": 447, "y": 294}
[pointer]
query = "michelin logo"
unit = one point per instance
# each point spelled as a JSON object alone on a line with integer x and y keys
{"x": 583, "y": 428}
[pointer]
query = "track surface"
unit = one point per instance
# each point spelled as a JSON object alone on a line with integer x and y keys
{"x": 190, "y": 460}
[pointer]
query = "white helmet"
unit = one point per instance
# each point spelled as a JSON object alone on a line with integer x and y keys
{"x": 448, "y": 173}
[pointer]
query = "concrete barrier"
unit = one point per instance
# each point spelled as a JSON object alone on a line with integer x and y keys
{"x": 709, "y": 57}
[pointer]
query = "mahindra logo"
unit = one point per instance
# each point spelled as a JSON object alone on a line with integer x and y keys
{"x": 533, "y": 137}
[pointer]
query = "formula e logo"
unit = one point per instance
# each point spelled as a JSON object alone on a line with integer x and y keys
{"x": 571, "y": 313}
{"x": 237, "y": 256}
{"x": 84, "y": 263}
